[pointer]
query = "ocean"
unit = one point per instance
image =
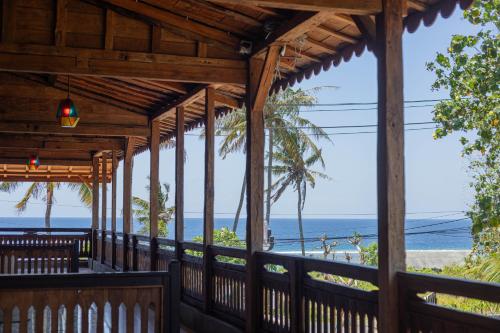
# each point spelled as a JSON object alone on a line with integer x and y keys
{"x": 421, "y": 234}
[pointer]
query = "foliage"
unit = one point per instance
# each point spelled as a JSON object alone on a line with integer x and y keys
{"x": 165, "y": 214}
{"x": 471, "y": 72}
{"x": 281, "y": 117}
{"x": 369, "y": 254}
{"x": 293, "y": 163}
{"x": 223, "y": 237}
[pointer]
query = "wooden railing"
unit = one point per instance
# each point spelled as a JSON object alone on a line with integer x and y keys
{"x": 50, "y": 236}
{"x": 301, "y": 294}
{"x": 39, "y": 259}
{"x": 425, "y": 317}
{"x": 92, "y": 302}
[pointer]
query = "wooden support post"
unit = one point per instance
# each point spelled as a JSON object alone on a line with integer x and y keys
{"x": 154, "y": 180}
{"x": 390, "y": 160}
{"x": 296, "y": 272}
{"x": 179, "y": 181}
{"x": 260, "y": 80}
{"x": 208, "y": 209}
{"x": 95, "y": 204}
{"x": 128, "y": 164}
{"x": 154, "y": 187}
{"x": 104, "y": 208}
{"x": 114, "y": 167}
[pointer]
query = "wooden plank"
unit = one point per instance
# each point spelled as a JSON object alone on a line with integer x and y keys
{"x": 260, "y": 80}
{"x": 208, "y": 206}
{"x": 390, "y": 162}
{"x": 156, "y": 34}
{"x": 8, "y": 21}
{"x": 154, "y": 177}
{"x": 109, "y": 63}
{"x": 169, "y": 19}
{"x": 179, "y": 180}
{"x": 339, "y": 6}
{"x": 292, "y": 29}
{"x": 109, "y": 33}
{"x": 366, "y": 26}
{"x": 128, "y": 162}
{"x": 60, "y": 30}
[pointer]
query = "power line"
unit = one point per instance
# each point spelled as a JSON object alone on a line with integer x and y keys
{"x": 362, "y": 109}
{"x": 337, "y": 133}
{"x": 361, "y": 103}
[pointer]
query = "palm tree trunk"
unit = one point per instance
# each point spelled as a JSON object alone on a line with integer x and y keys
{"x": 267, "y": 220}
{"x": 299, "y": 217}
{"x": 240, "y": 204}
{"x": 48, "y": 210}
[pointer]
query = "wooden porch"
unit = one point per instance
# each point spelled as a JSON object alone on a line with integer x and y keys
{"x": 141, "y": 74}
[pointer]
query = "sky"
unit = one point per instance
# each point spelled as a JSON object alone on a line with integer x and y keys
{"x": 437, "y": 181}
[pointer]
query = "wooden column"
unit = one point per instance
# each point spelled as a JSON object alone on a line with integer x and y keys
{"x": 128, "y": 163}
{"x": 390, "y": 162}
{"x": 154, "y": 180}
{"x": 179, "y": 181}
{"x": 260, "y": 80}
{"x": 104, "y": 206}
{"x": 95, "y": 204}
{"x": 208, "y": 208}
{"x": 114, "y": 166}
{"x": 154, "y": 187}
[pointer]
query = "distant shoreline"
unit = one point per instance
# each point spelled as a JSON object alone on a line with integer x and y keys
{"x": 415, "y": 258}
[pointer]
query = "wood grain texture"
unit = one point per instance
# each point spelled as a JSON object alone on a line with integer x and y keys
{"x": 390, "y": 162}
{"x": 179, "y": 179}
{"x": 154, "y": 177}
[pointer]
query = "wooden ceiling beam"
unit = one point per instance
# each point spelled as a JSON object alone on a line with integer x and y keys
{"x": 360, "y": 7}
{"x": 83, "y": 129}
{"x": 60, "y": 60}
{"x": 53, "y": 162}
{"x": 292, "y": 29}
{"x": 184, "y": 101}
{"x": 63, "y": 142}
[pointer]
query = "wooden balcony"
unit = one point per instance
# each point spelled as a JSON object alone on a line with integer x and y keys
{"x": 208, "y": 287}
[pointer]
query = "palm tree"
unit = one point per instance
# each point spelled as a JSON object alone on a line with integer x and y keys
{"x": 141, "y": 211}
{"x": 45, "y": 192}
{"x": 293, "y": 169}
{"x": 282, "y": 115}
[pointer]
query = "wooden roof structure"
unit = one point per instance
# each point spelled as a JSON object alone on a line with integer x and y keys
{"x": 129, "y": 63}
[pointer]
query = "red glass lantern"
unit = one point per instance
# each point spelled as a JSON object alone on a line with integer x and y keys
{"x": 67, "y": 113}
{"x": 33, "y": 163}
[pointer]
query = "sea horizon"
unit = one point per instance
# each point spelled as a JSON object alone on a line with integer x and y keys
{"x": 421, "y": 234}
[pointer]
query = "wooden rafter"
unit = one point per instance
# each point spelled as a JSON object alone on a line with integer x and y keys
{"x": 292, "y": 29}
{"x": 339, "y": 6}
{"x": 167, "y": 19}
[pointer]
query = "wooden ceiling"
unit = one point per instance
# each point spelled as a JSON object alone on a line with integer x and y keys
{"x": 130, "y": 62}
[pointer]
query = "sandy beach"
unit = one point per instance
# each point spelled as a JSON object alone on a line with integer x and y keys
{"x": 414, "y": 258}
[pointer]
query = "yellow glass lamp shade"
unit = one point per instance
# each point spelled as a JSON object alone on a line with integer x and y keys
{"x": 67, "y": 113}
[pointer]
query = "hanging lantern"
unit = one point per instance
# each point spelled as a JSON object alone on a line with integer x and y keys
{"x": 67, "y": 113}
{"x": 33, "y": 163}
